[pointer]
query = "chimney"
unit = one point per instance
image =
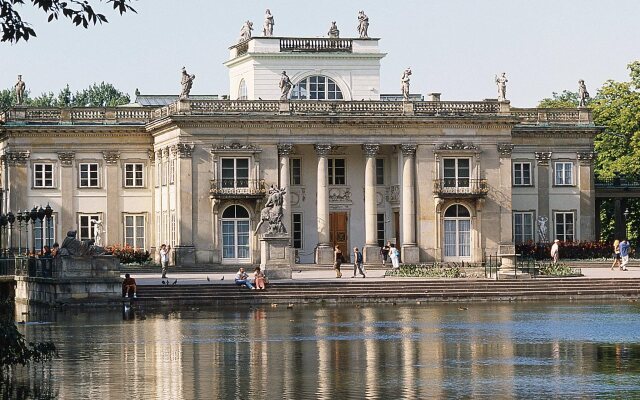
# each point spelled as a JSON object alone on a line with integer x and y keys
{"x": 434, "y": 96}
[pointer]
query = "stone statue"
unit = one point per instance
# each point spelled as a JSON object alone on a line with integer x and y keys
{"x": 267, "y": 28}
{"x": 245, "y": 31}
{"x": 285, "y": 86}
{"x": 501, "y": 81}
{"x": 405, "y": 82}
{"x": 73, "y": 247}
{"x": 583, "y": 94}
{"x": 97, "y": 231}
{"x": 272, "y": 212}
{"x": 334, "y": 32}
{"x": 187, "y": 83}
{"x": 542, "y": 228}
{"x": 20, "y": 87}
{"x": 363, "y": 24}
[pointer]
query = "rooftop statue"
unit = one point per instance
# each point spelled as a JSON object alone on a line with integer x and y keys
{"x": 285, "y": 86}
{"x": 267, "y": 28}
{"x": 363, "y": 25}
{"x": 187, "y": 83}
{"x": 582, "y": 93}
{"x": 334, "y": 32}
{"x": 20, "y": 87}
{"x": 245, "y": 31}
{"x": 73, "y": 247}
{"x": 405, "y": 82}
{"x": 501, "y": 81}
{"x": 273, "y": 212}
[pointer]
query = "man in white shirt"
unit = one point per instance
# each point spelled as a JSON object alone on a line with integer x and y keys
{"x": 164, "y": 258}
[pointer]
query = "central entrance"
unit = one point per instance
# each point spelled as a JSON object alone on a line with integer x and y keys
{"x": 235, "y": 235}
{"x": 338, "y": 231}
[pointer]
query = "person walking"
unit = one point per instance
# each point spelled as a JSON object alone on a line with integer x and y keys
{"x": 164, "y": 258}
{"x": 357, "y": 262}
{"x": 616, "y": 254}
{"x": 624, "y": 254}
{"x": 555, "y": 251}
{"x": 337, "y": 261}
{"x": 394, "y": 254}
{"x": 384, "y": 253}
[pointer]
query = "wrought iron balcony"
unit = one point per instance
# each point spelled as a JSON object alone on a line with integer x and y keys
{"x": 237, "y": 189}
{"x": 460, "y": 187}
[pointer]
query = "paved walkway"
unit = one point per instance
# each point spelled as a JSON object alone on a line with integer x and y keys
{"x": 324, "y": 274}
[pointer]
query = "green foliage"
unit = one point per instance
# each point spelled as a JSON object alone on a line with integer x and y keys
{"x": 129, "y": 255}
{"x": 96, "y": 95}
{"x": 559, "y": 269}
{"x": 582, "y": 250}
{"x": 78, "y": 12}
{"x": 434, "y": 270}
{"x": 566, "y": 99}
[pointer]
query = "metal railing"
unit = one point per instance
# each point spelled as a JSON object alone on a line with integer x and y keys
{"x": 237, "y": 188}
{"x": 34, "y": 267}
{"x": 460, "y": 187}
{"x": 622, "y": 182}
{"x": 493, "y": 265}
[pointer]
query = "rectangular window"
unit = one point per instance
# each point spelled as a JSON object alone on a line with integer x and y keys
{"x": 295, "y": 171}
{"x": 522, "y": 174}
{"x": 380, "y": 229}
{"x": 235, "y": 172}
{"x": 564, "y": 173}
{"x": 85, "y": 223}
{"x": 43, "y": 175}
{"x": 133, "y": 175}
{"x": 379, "y": 171}
{"x": 296, "y": 220}
{"x": 565, "y": 226}
{"x": 523, "y": 227}
{"x": 134, "y": 230}
{"x": 337, "y": 171}
{"x": 89, "y": 175}
{"x": 49, "y": 232}
{"x": 172, "y": 170}
{"x": 456, "y": 172}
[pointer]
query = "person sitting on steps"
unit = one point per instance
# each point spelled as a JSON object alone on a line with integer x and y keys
{"x": 259, "y": 279}
{"x": 128, "y": 285}
{"x": 242, "y": 279}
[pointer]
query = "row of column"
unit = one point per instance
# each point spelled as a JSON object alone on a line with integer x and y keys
{"x": 371, "y": 251}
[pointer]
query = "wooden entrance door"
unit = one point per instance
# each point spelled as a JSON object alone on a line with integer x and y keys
{"x": 339, "y": 228}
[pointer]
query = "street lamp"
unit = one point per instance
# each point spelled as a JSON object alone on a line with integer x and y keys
{"x": 41, "y": 215}
{"x": 20, "y": 219}
{"x": 3, "y": 226}
{"x": 626, "y": 222}
{"x": 26, "y": 216}
{"x": 11, "y": 219}
{"x": 48, "y": 212}
{"x": 33, "y": 214}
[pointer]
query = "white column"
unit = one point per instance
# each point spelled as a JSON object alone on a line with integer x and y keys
{"x": 410, "y": 252}
{"x": 371, "y": 250}
{"x": 283, "y": 151}
{"x": 325, "y": 252}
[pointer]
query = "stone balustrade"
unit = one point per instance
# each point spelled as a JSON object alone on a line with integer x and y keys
{"x": 77, "y": 115}
{"x": 536, "y": 116}
{"x": 315, "y": 45}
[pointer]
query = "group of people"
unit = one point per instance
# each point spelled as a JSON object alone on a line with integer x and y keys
{"x": 259, "y": 279}
{"x": 621, "y": 251}
{"x": 387, "y": 252}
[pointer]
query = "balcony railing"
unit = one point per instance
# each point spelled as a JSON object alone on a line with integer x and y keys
{"x": 237, "y": 188}
{"x": 460, "y": 187}
{"x": 618, "y": 183}
{"x": 316, "y": 45}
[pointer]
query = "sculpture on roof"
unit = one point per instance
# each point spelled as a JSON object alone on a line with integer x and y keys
{"x": 405, "y": 82}
{"x": 334, "y": 32}
{"x": 582, "y": 93}
{"x": 245, "y": 31}
{"x": 73, "y": 247}
{"x": 272, "y": 212}
{"x": 285, "y": 86}
{"x": 501, "y": 81}
{"x": 267, "y": 28}
{"x": 20, "y": 87}
{"x": 363, "y": 25}
{"x": 187, "y": 83}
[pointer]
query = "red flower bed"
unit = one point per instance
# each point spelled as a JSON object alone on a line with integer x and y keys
{"x": 128, "y": 254}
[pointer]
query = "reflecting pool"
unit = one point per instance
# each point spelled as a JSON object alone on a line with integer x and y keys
{"x": 524, "y": 350}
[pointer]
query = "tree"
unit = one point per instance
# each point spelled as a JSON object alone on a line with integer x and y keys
{"x": 79, "y": 12}
{"x": 102, "y": 95}
{"x": 565, "y": 99}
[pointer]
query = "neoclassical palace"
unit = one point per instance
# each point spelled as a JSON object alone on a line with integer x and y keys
{"x": 443, "y": 180}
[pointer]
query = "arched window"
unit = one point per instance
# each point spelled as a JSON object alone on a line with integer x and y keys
{"x": 457, "y": 232}
{"x": 242, "y": 90}
{"x": 235, "y": 234}
{"x": 457, "y": 211}
{"x": 316, "y": 87}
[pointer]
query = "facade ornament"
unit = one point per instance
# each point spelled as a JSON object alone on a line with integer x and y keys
{"x": 20, "y": 88}
{"x": 187, "y": 83}
{"x": 408, "y": 150}
{"x": 370, "y": 149}
{"x": 583, "y": 95}
{"x": 340, "y": 195}
{"x": 183, "y": 150}
{"x": 542, "y": 228}
{"x": 405, "y": 82}
{"x": 505, "y": 149}
{"x": 543, "y": 157}
{"x": 73, "y": 247}
{"x": 151, "y": 154}
{"x": 586, "y": 157}
{"x": 16, "y": 157}
{"x": 245, "y": 31}
{"x": 166, "y": 152}
{"x": 334, "y": 32}
{"x": 457, "y": 145}
{"x": 111, "y": 157}
{"x": 267, "y": 28}
{"x": 235, "y": 147}
{"x": 323, "y": 149}
{"x": 393, "y": 194}
{"x": 158, "y": 157}
{"x": 285, "y": 86}
{"x": 66, "y": 158}
{"x": 501, "y": 82}
{"x": 272, "y": 213}
{"x": 363, "y": 25}
{"x": 285, "y": 149}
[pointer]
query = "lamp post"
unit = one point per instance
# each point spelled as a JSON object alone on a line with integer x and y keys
{"x": 3, "y": 227}
{"x": 41, "y": 215}
{"x": 11, "y": 219}
{"x": 48, "y": 212}
{"x": 26, "y": 216}
{"x": 19, "y": 219}
{"x": 33, "y": 214}
{"x": 626, "y": 222}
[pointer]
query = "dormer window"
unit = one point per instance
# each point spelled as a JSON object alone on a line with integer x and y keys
{"x": 316, "y": 88}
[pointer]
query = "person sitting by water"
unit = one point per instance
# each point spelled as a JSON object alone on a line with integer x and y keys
{"x": 259, "y": 279}
{"x": 242, "y": 278}
{"x": 128, "y": 285}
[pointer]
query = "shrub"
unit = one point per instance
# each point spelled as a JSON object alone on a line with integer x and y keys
{"x": 559, "y": 269}
{"x": 582, "y": 250}
{"x": 433, "y": 270}
{"x": 128, "y": 254}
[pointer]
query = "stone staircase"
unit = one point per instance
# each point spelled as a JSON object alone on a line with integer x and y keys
{"x": 391, "y": 291}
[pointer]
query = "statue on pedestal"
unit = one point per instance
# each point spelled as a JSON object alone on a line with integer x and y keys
{"x": 97, "y": 231}
{"x": 272, "y": 212}
{"x": 405, "y": 82}
{"x": 20, "y": 88}
{"x": 501, "y": 81}
{"x": 73, "y": 247}
{"x": 334, "y": 32}
{"x": 245, "y": 31}
{"x": 582, "y": 93}
{"x": 285, "y": 86}
{"x": 267, "y": 28}
{"x": 187, "y": 83}
{"x": 363, "y": 25}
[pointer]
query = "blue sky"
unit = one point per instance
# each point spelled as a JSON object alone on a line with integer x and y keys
{"x": 453, "y": 46}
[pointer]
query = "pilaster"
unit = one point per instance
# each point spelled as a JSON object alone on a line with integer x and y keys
{"x": 185, "y": 207}
{"x": 284, "y": 150}
{"x": 371, "y": 252}
{"x": 67, "y": 209}
{"x": 324, "y": 255}
{"x": 112, "y": 216}
{"x": 410, "y": 251}
{"x": 586, "y": 180}
{"x": 543, "y": 159}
